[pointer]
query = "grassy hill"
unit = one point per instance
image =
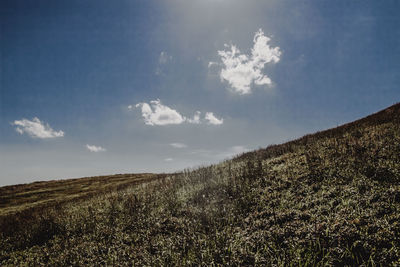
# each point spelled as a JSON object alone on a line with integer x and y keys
{"x": 330, "y": 198}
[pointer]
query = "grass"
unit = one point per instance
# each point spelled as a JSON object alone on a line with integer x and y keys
{"x": 332, "y": 198}
{"x": 18, "y": 198}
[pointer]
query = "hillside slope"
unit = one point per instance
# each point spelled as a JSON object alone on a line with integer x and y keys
{"x": 328, "y": 198}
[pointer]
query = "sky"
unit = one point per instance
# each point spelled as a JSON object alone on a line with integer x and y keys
{"x": 102, "y": 87}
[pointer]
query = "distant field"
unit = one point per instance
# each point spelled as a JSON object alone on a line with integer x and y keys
{"x": 16, "y": 198}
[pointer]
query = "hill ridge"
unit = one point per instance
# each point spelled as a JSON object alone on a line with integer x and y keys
{"x": 379, "y": 117}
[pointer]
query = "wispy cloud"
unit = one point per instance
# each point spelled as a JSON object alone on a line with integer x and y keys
{"x": 36, "y": 129}
{"x": 211, "y": 119}
{"x": 168, "y": 159}
{"x": 212, "y": 64}
{"x": 178, "y": 145}
{"x": 221, "y": 154}
{"x": 93, "y": 148}
{"x": 234, "y": 151}
{"x": 241, "y": 71}
{"x": 164, "y": 57}
{"x": 195, "y": 119}
{"x": 155, "y": 113}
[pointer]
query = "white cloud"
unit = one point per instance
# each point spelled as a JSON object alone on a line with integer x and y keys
{"x": 211, "y": 119}
{"x": 241, "y": 71}
{"x": 196, "y": 118}
{"x": 169, "y": 159}
{"x": 93, "y": 148}
{"x": 156, "y": 113}
{"x": 36, "y": 129}
{"x": 178, "y": 145}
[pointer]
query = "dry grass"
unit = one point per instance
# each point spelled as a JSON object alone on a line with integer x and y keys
{"x": 332, "y": 198}
{"x": 18, "y": 198}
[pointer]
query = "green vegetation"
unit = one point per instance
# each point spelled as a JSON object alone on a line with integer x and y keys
{"x": 332, "y": 198}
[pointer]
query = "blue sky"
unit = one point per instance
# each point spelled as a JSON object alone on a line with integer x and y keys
{"x": 102, "y": 87}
